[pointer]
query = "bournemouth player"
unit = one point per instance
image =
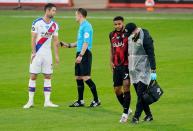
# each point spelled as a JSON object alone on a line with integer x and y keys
{"x": 119, "y": 65}
{"x": 43, "y": 30}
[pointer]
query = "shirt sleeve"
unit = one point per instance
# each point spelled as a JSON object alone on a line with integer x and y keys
{"x": 87, "y": 35}
{"x": 56, "y": 31}
{"x": 34, "y": 28}
{"x": 149, "y": 49}
{"x": 110, "y": 35}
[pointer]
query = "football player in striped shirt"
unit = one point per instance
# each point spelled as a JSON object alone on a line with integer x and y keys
{"x": 119, "y": 64}
{"x": 43, "y": 31}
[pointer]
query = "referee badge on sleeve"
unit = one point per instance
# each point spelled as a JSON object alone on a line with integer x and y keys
{"x": 86, "y": 35}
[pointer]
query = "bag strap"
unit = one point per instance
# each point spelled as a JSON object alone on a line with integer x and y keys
{"x": 152, "y": 82}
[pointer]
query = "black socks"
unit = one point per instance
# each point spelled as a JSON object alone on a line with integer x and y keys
{"x": 126, "y": 102}
{"x": 120, "y": 98}
{"x": 80, "y": 88}
{"x": 92, "y": 86}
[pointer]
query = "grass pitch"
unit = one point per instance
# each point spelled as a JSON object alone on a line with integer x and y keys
{"x": 172, "y": 34}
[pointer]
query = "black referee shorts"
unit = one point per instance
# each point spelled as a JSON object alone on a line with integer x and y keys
{"x": 84, "y": 67}
{"x": 120, "y": 73}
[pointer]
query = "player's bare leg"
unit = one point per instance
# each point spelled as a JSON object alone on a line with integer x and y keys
{"x": 32, "y": 87}
{"x": 47, "y": 91}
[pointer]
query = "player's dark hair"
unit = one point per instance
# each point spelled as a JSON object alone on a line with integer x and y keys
{"x": 49, "y": 6}
{"x": 82, "y": 11}
{"x": 118, "y": 18}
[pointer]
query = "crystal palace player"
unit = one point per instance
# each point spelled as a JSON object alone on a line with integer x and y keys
{"x": 43, "y": 30}
{"x": 119, "y": 65}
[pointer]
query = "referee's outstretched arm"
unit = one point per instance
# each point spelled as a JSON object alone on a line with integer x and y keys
{"x": 67, "y": 45}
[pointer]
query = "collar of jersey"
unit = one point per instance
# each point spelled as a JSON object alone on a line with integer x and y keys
{"x": 83, "y": 22}
{"x": 46, "y": 22}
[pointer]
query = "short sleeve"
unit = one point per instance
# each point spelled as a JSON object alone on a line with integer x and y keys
{"x": 87, "y": 35}
{"x": 56, "y": 31}
{"x": 34, "y": 27}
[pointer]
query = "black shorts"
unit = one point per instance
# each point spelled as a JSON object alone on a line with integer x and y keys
{"x": 84, "y": 67}
{"x": 120, "y": 73}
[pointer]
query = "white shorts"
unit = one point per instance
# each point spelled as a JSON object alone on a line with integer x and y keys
{"x": 41, "y": 64}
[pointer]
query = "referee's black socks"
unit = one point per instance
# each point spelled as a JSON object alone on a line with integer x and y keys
{"x": 92, "y": 86}
{"x": 80, "y": 88}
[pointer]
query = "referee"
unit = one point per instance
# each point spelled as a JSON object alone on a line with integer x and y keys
{"x": 83, "y": 59}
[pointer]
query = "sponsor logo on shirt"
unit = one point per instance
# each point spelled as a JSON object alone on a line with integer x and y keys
{"x": 119, "y": 44}
{"x": 47, "y": 34}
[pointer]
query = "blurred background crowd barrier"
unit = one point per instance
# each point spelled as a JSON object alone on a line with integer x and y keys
{"x": 101, "y": 4}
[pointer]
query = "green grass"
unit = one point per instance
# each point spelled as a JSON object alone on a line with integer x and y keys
{"x": 173, "y": 48}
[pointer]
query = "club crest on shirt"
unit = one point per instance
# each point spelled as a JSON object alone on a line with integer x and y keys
{"x": 118, "y": 37}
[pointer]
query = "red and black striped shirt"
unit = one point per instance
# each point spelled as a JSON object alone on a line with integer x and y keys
{"x": 119, "y": 48}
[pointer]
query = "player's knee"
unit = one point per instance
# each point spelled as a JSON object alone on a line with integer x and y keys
{"x": 126, "y": 88}
{"x": 78, "y": 77}
{"x": 47, "y": 76}
{"x": 33, "y": 77}
{"x": 118, "y": 90}
{"x": 85, "y": 78}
